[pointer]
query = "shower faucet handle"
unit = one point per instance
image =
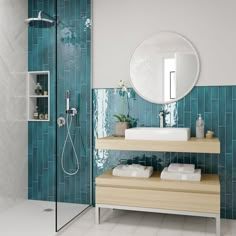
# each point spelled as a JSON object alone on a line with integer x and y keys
{"x": 61, "y": 122}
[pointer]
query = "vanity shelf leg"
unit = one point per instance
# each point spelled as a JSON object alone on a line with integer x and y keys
{"x": 97, "y": 215}
{"x": 218, "y": 225}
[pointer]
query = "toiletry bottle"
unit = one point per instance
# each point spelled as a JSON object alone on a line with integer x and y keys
{"x": 36, "y": 113}
{"x": 38, "y": 89}
{"x": 200, "y": 127}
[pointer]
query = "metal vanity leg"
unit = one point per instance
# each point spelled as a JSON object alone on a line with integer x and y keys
{"x": 97, "y": 215}
{"x": 218, "y": 225}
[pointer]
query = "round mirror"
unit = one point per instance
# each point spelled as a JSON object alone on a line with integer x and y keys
{"x": 164, "y": 68}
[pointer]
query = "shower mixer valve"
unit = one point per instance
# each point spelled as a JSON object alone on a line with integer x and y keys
{"x": 61, "y": 122}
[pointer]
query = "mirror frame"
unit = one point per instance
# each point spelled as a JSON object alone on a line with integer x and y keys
{"x": 192, "y": 85}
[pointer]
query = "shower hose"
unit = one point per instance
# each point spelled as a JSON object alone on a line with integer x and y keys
{"x": 68, "y": 135}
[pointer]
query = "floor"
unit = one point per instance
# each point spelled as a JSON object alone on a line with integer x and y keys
{"x": 128, "y": 223}
{"x": 30, "y": 219}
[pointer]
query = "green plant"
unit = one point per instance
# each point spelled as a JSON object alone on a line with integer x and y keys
{"x": 124, "y": 118}
{"x": 125, "y": 95}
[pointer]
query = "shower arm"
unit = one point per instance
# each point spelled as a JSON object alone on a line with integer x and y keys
{"x": 42, "y": 12}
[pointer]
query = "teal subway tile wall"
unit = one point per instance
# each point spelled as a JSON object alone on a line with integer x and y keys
{"x": 217, "y": 104}
{"x": 73, "y": 64}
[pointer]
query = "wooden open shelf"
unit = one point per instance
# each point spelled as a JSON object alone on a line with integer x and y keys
{"x": 193, "y": 145}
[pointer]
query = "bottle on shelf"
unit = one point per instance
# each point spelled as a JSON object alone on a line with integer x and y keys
{"x": 38, "y": 89}
{"x": 36, "y": 113}
{"x": 200, "y": 127}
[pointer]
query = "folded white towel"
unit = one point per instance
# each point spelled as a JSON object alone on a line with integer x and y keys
{"x": 137, "y": 167}
{"x": 196, "y": 176}
{"x": 183, "y": 168}
{"x": 126, "y": 172}
{"x": 132, "y": 167}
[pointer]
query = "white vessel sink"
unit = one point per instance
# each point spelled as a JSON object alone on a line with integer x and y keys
{"x": 155, "y": 133}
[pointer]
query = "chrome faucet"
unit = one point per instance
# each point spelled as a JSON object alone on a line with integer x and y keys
{"x": 161, "y": 119}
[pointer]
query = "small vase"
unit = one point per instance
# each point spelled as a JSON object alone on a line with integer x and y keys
{"x": 120, "y": 128}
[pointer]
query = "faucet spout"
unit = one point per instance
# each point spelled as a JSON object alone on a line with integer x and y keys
{"x": 161, "y": 119}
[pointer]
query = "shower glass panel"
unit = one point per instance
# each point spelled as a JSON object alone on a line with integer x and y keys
{"x": 59, "y": 136}
{"x": 73, "y": 92}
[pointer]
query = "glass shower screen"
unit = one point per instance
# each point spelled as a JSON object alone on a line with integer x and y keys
{"x": 73, "y": 111}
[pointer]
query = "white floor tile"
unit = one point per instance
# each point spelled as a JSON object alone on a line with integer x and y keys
{"x": 94, "y": 232}
{"x": 169, "y": 232}
{"x": 73, "y": 232}
{"x": 29, "y": 219}
{"x": 142, "y": 230}
{"x": 190, "y": 233}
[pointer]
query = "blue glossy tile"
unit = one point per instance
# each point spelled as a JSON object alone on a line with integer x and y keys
{"x": 187, "y": 119}
{"x": 35, "y": 190}
{"x": 229, "y": 162}
{"x": 200, "y": 160}
{"x": 194, "y": 93}
{"x": 222, "y": 212}
{"x": 234, "y": 162}
{"x": 222, "y": 108}
{"x": 208, "y": 163}
{"x": 201, "y": 100}
{"x": 215, "y": 117}
{"x": 215, "y": 158}
{"x": 180, "y": 112}
{"x": 234, "y": 120}
{"x": 30, "y": 172}
{"x": 234, "y": 193}
{"x": 234, "y": 92}
{"x": 208, "y": 99}
{"x": 215, "y": 93}
{"x": 229, "y": 97}
{"x": 35, "y": 165}
{"x": 208, "y": 121}
{"x": 229, "y": 139}
{"x": 229, "y": 205}
{"x": 187, "y": 103}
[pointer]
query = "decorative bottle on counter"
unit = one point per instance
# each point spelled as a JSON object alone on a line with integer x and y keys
{"x": 200, "y": 127}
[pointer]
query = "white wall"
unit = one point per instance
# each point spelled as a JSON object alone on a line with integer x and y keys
{"x": 13, "y": 125}
{"x": 119, "y": 26}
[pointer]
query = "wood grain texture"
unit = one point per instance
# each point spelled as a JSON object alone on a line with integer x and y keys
{"x": 208, "y": 184}
{"x": 193, "y": 145}
{"x": 203, "y": 196}
{"x": 181, "y": 201}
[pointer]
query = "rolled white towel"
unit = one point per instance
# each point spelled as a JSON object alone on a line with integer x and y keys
{"x": 183, "y": 168}
{"x": 140, "y": 173}
{"x": 196, "y": 176}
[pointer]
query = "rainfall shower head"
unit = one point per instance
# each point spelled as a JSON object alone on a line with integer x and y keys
{"x": 40, "y": 22}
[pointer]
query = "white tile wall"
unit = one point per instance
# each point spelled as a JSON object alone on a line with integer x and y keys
{"x": 13, "y": 125}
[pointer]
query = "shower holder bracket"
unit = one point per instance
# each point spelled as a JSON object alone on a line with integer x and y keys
{"x": 72, "y": 111}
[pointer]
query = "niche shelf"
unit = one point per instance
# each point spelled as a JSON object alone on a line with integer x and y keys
{"x": 42, "y": 101}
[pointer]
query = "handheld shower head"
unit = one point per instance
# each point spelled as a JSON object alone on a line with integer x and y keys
{"x": 67, "y": 100}
{"x": 67, "y": 93}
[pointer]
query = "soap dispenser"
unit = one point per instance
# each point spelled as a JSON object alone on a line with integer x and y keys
{"x": 200, "y": 127}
